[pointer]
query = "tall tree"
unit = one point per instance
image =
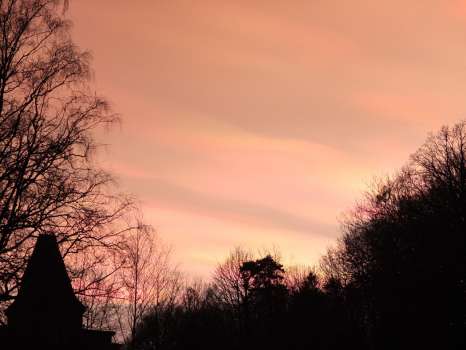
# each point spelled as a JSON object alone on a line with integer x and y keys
{"x": 48, "y": 179}
{"x": 402, "y": 256}
{"x": 265, "y": 301}
{"x": 228, "y": 280}
{"x": 150, "y": 281}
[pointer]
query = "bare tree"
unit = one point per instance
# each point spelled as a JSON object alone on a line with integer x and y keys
{"x": 48, "y": 179}
{"x": 150, "y": 281}
{"x": 194, "y": 295}
{"x": 98, "y": 283}
{"x": 297, "y": 276}
{"x": 228, "y": 279}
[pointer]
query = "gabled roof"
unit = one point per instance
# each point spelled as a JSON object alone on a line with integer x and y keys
{"x": 45, "y": 282}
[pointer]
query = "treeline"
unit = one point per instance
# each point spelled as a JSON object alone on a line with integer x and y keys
{"x": 395, "y": 280}
{"x": 251, "y": 304}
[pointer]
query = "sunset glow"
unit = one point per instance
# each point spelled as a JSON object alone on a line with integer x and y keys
{"x": 259, "y": 123}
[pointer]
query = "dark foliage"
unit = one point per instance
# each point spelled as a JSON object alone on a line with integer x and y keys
{"x": 401, "y": 260}
{"x": 272, "y": 315}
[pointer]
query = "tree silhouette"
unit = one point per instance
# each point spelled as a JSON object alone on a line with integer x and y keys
{"x": 402, "y": 253}
{"x": 149, "y": 281}
{"x": 48, "y": 180}
{"x": 265, "y": 301}
{"x": 395, "y": 280}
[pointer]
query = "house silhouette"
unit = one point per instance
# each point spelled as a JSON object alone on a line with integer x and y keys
{"x": 46, "y": 313}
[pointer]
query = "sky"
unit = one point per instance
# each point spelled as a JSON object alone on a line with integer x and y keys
{"x": 260, "y": 123}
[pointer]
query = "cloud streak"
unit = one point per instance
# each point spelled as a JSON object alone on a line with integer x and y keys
{"x": 163, "y": 194}
{"x": 255, "y": 119}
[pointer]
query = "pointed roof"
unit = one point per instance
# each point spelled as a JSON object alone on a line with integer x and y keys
{"x": 46, "y": 284}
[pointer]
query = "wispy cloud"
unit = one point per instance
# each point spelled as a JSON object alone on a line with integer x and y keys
{"x": 267, "y": 118}
{"x": 164, "y": 194}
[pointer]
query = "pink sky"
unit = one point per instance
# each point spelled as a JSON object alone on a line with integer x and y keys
{"x": 258, "y": 123}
